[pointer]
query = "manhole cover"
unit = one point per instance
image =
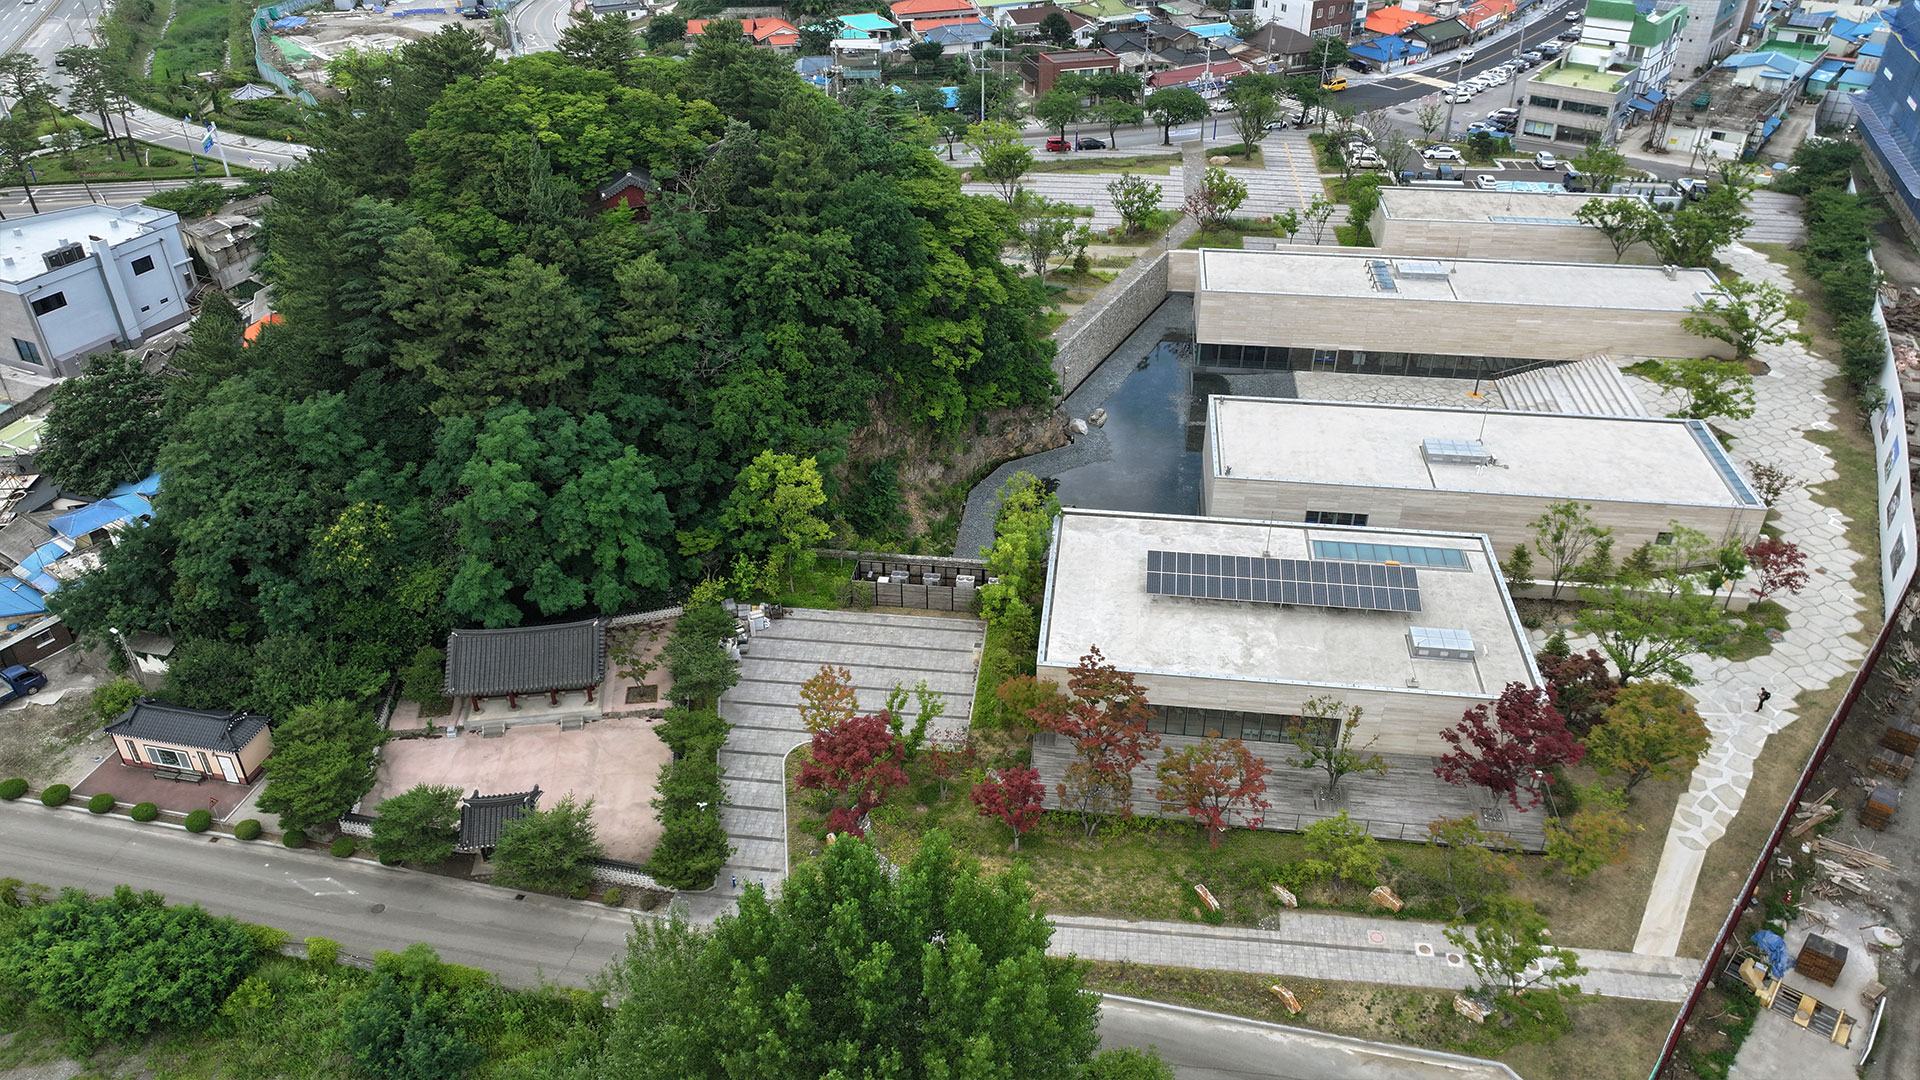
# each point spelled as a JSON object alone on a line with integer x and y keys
{"x": 1456, "y": 959}
{"x": 1423, "y": 949}
{"x": 377, "y": 908}
{"x": 1376, "y": 936}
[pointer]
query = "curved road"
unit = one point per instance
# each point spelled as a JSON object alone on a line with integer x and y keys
{"x": 537, "y": 24}
{"x": 527, "y": 938}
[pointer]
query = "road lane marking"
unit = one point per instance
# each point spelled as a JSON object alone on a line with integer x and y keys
{"x": 323, "y": 887}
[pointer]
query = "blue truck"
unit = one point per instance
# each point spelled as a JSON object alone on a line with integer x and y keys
{"x": 21, "y": 681}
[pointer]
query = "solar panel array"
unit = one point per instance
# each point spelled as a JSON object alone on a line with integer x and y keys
{"x": 1306, "y": 582}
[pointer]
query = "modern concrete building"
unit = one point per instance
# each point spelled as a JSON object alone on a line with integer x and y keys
{"x": 1231, "y": 626}
{"x": 1296, "y": 309}
{"x": 1481, "y": 223}
{"x": 1710, "y": 32}
{"x": 1411, "y": 467}
{"x": 89, "y": 279}
{"x": 1610, "y": 78}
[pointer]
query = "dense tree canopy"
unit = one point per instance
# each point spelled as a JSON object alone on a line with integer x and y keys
{"x": 493, "y": 400}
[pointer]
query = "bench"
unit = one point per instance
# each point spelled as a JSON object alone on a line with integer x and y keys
{"x": 185, "y": 776}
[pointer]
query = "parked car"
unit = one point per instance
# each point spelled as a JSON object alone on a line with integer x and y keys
{"x": 1058, "y": 146}
{"x": 1573, "y": 181}
{"x": 1367, "y": 159}
{"x": 1441, "y": 153}
{"x": 1459, "y": 97}
{"x": 1569, "y": 35}
{"x": 1487, "y": 180}
{"x": 1276, "y": 125}
{"x": 1546, "y": 160}
{"x": 1534, "y": 54}
{"x": 1220, "y": 105}
{"x": 1092, "y": 144}
{"x": 1360, "y": 65}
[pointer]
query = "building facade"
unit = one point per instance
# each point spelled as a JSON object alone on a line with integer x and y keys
{"x": 1301, "y": 310}
{"x": 1625, "y": 56}
{"x": 1889, "y": 116}
{"x": 1712, "y": 31}
{"x": 89, "y": 279}
{"x": 209, "y": 743}
{"x": 1315, "y": 18}
{"x": 1437, "y": 469}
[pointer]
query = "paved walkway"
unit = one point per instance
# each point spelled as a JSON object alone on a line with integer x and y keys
{"x": 1819, "y": 645}
{"x": 1345, "y": 948}
{"x": 880, "y": 649}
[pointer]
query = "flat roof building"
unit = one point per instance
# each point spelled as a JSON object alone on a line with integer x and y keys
{"x": 88, "y": 279}
{"x": 1482, "y": 223}
{"x": 1399, "y": 466}
{"x": 1301, "y": 310}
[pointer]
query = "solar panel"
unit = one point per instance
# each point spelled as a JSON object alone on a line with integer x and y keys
{"x": 1305, "y": 582}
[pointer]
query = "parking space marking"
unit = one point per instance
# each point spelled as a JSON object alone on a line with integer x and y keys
{"x": 325, "y": 886}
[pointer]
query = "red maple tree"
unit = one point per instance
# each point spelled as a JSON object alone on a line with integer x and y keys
{"x": 1504, "y": 747}
{"x": 858, "y": 761}
{"x": 949, "y": 761}
{"x": 1105, "y": 714}
{"x": 1582, "y": 686}
{"x": 1013, "y": 796}
{"x": 1778, "y": 563}
{"x": 1212, "y": 780}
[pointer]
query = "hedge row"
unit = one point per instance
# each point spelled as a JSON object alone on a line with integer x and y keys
{"x": 1840, "y": 237}
{"x": 693, "y": 844}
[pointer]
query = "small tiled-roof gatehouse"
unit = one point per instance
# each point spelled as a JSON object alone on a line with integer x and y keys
{"x": 192, "y": 744}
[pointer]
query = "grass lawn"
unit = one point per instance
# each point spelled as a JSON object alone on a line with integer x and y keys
{"x": 1603, "y": 911}
{"x": 819, "y": 585}
{"x": 1611, "y": 1039}
{"x": 1232, "y": 233}
{"x": 1238, "y": 152}
{"x": 1145, "y": 164}
{"x": 195, "y": 40}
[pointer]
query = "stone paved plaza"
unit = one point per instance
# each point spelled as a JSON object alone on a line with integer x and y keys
{"x": 880, "y": 650}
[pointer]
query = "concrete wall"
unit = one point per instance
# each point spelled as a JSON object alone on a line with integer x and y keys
{"x": 1115, "y": 312}
{"x": 1438, "y": 326}
{"x": 1503, "y": 517}
{"x": 1893, "y": 475}
{"x": 1497, "y": 240}
{"x": 1406, "y": 721}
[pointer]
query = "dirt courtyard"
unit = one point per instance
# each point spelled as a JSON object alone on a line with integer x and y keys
{"x": 614, "y": 761}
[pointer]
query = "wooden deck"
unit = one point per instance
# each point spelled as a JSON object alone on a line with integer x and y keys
{"x": 1397, "y": 806}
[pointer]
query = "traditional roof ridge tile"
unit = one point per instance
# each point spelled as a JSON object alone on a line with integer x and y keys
{"x": 153, "y": 720}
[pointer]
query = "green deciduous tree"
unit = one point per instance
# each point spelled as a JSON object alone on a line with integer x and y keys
{"x": 1565, "y": 536}
{"x": 773, "y": 512}
{"x": 1218, "y": 195}
{"x": 1602, "y": 165}
{"x": 1004, "y": 159}
{"x": 1116, "y": 115}
{"x": 551, "y": 849}
{"x": 124, "y": 966}
{"x": 1325, "y": 737}
{"x": 1256, "y": 101}
{"x": 1056, "y": 29}
{"x": 1714, "y": 388}
{"x": 1595, "y": 836}
{"x": 1626, "y": 222}
{"x": 1746, "y": 315}
{"x": 663, "y": 30}
{"x": 1651, "y": 730}
{"x": 1478, "y": 864}
{"x": 1043, "y": 228}
{"x": 1178, "y": 105}
{"x": 1059, "y": 108}
{"x": 1344, "y": 849}
{"x": 1650, "y": 631}
{"x": 102, "y": 428}
{"x": 1512, "y": 948}
{"x": 407, "y": 1027}
{"x": 322, "y": 763}
{"x": 1136, "y": 199}
{"x": 418, "y": 825}
{"x": 1022, "y": 531}
{"x": 938, "y": 970}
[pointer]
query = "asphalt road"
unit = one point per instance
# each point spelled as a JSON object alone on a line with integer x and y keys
{"x": 368, "y": 907}
{"x": 538, "y": 24}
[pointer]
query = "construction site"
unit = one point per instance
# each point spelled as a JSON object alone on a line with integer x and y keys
{"x": 302, "y": 45}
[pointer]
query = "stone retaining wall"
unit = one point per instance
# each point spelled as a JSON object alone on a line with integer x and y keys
{"x": 1099, "y": 327}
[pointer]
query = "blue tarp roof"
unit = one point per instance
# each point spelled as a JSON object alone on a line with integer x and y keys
{"x": 1218, "y": 29}
{"x": 951, "y": 94}
{"x": 99, "y": 515}
{"x": 1854, "y": 79}
{"x": 1873, "y": 48}
{"x": 1786, "y": 65}
{"x": 867, "y": 21}
{"x": 1854, "y": 31}
{"x": 1767, "y": 129}
{"x": 19, "y": 598}
{"x": 33, "y": 567}
{"x": 1640, "y": 103}
{"x": 1383, "y": 49}
{"x": 148, "y": 487}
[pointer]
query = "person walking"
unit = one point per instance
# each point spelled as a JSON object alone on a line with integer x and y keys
{"x": 1764, "y": 698}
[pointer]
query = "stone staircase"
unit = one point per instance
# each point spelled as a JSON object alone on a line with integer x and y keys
{"x": 1590, "y": 387}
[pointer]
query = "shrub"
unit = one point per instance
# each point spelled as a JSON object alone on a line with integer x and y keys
{"x": 323, "y": 952}
{"x": 612, "y": 897}
{"x": 116, "y": 697}
{"x": 100, "y": 803}
{"x": 344, "y": 847}
{"x": 145, "y": 811}
{"x": 294, "y": 838}
{"x": 267, "y": 940}
{"x": 12, "y": 789}
{"x": 56, "y": 795}
{"x": 247, "y": 830}
{"x": 199, "y": 821}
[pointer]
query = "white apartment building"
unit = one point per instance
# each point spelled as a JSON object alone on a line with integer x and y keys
{"x": 1315, "y": 18}
{"x": 1617, "y": 37}
{"x": 89, "y": 279}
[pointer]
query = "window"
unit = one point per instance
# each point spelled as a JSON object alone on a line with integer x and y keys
{"x": 1664, "y": 539}
{"x": 142, "y": 265}
{"x": 1893, "y": 507}
{"x": 1245, "y": 726}
{"x": 50, "y": 303}
{"x": 1893, "y": 455}
{"x": 1543, "y": 102}
{"x": 1332, "y": 517}
{"x": 1899, "y": 553}
{"x": 65, "y": 256}
{"x": 1397, "y": 553}
{"x": 1583, "y": 107}
{"x": 172, "y": 759}
{"x": 29, "y": 352}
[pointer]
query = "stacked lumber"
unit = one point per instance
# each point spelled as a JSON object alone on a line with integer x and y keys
{"x": 1853, "y": 856}
{"x": 1814, "y": 811}
{"x": 1846, "y": 867}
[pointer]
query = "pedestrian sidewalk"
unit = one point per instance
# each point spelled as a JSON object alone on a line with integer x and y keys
{"x": 1346, "y": 948}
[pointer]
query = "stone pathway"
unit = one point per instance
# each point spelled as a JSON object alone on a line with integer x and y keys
{"x": 1776, "y": 218}
{"x": 1819, "y": 646}
{"x": 880, "y": 649}
{"x": 1345, "y": 948}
